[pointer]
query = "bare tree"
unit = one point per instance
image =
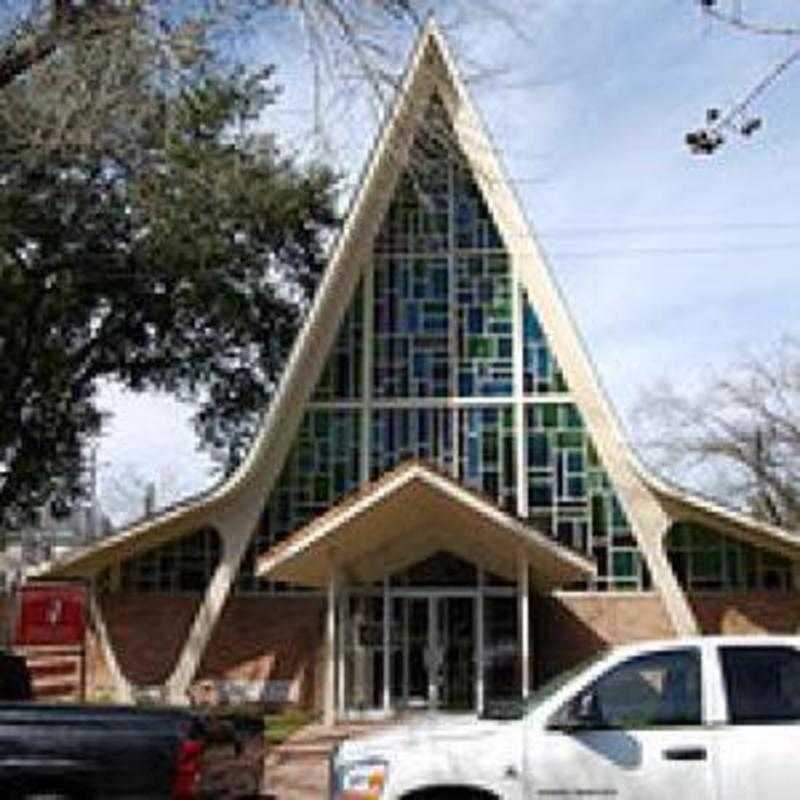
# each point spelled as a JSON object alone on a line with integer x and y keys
{"x": 739, "y": 434}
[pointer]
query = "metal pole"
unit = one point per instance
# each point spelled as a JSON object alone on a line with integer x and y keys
{"x": 479, "y": 644}
{"x": 330, "y": 640}
{"x": 524, "y": 625}
{"x": 387, "y": 649}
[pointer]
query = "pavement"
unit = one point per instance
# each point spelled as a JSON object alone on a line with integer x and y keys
{"x": 298, "y": 768}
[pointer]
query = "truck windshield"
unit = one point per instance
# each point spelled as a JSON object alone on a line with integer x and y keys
{"x": 549, "y": 688}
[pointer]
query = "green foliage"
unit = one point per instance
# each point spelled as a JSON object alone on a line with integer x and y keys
{"x": 160, "y": 240}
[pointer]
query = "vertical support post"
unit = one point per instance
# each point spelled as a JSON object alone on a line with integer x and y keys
{"x": 433, "y": 653}
{"x": 366, "y": 373}
{"x": 387, "y": 648}
{"x": 330, "y": 648}
{"x": 479, "y": 644}
{"x": 518, "y": 353}
{"x": 452, "y": 328}
{"x": 523, "y": 605}
{"x": 341, "y": 643}
{"x": 406, "y": 651}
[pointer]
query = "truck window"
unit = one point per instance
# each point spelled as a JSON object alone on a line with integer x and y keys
{"x": 762, "y": 684}
{"x": 656, "y": 689}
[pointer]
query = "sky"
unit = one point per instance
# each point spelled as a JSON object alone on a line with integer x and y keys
{"x": 674, "y": 266}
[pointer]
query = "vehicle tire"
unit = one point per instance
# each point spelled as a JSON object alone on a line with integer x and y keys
{"x": 451, "y": 793}
{"x": 49, "y": 796}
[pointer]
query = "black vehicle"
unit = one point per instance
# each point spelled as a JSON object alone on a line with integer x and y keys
{"x": 93, "y": 752}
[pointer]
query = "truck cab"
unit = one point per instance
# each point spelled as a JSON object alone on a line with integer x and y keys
{"x": 712, "y": 718}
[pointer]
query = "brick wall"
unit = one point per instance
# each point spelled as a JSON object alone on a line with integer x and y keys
{"x": 256, "y": 639}
{"x": 269, "y": 638}
{"x": 147, "y": 632}
{"x": 747, "y": 612}
{"x": 572, "y": 627}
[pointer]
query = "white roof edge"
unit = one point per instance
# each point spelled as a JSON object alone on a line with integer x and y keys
{"x": 445, "y": 485}
{"x": 707, "y": 505}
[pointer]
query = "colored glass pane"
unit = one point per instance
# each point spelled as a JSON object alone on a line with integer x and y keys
{"x": 704, "y": 559}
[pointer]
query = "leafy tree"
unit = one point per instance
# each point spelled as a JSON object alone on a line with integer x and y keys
{"x": 150, "y": 234}
{"x": 739, "y": 433}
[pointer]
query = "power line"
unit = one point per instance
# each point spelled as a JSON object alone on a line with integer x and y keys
{"x": 696, "y": 227}
{"x": 675, "y": 251}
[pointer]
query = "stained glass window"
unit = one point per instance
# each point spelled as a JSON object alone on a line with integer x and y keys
{"x": 541, "y": 373}
{"x": 485, "y": 325}
{"x": 442, "y": 384}
{"x": 322, "y": 466}
{"x": 341, "y": 377}
{"x": 184, "y": 565}
{"x": 402, "y": 433}
{"x": 705, "y": 560}
{"x": 488, "y": 460}
{"x": 571, "y": 498}
{"x": 412, "y": 327}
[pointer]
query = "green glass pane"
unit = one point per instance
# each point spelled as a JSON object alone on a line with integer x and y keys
{"x": 677, "y": 536}
{"x": 570, "y": 439}
{"x": 501, "y": 311}
{"x": 774, "y": 560}
{"x": 734, "y": 571}
{"x": 707, "y": 564}
{"x": 624, "y": 564}
{"x": 599, "y": 516}
{"x": 550, "y": 416}
{"x": 559, "y": 383}
{"x": 703, "y": 537}
{"x": 321, "y": 423}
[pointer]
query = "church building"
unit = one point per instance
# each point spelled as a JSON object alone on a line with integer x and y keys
{"x": 440, "y": 509}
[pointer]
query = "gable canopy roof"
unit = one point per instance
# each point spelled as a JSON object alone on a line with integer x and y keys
{"x": 411, "y": 513}
{"x": 648, "y": 501}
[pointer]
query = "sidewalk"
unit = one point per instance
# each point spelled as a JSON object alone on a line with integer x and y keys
{"x": 298, "y": 768}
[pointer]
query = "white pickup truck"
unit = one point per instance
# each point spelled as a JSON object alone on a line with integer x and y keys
{"x": 713, "y": 718}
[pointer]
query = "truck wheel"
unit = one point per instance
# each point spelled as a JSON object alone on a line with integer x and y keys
{"x": 452, "y": 793}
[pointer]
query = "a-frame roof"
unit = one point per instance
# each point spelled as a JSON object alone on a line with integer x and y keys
{"x": 408, "y": 514}
{"x": 241, "y": 497}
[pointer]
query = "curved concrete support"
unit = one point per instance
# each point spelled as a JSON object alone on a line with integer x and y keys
{"x": 123, "y": 689}
{"x": 236, "y": 531}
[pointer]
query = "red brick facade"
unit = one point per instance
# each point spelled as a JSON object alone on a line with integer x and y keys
{"x": 147, "y": 632}
{"x": 747, "y": 613}
{"x": 572, "y": 627}
{"x": 262, "y": 639}
{"x": 276, "y": 639}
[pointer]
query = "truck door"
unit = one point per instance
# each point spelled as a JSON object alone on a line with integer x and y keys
{"x": 636, "y": 732}
{"x": 759, "y": 745}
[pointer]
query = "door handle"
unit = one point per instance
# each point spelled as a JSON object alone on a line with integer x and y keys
{"x": 684, "y": 754}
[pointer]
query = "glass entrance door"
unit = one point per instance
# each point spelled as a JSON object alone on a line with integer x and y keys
{"x": 456, "y": 639}
{"x": 410, "y": 637}
{"x": 433, "y": 652}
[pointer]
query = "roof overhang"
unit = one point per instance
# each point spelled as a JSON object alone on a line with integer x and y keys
{"x": 410, "y": 514}
{"x": 686, "y": 506}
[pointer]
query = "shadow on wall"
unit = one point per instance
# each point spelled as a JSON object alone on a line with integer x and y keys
{"x": 573, "y": 627}
{"x": 563, "y": 638}
{"x": 746, "y": 613}
{"x": 264, "y": 649}
{"x": 147, "y": 632}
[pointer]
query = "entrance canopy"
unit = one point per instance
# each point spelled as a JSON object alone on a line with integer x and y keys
{"x": 408, "y": 515}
